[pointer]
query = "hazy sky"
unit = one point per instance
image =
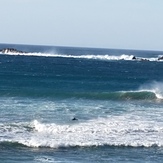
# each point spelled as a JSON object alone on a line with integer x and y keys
{"x": 127, "y": 24}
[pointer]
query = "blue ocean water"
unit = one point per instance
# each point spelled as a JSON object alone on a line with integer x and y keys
{"x": 115, "y": 96}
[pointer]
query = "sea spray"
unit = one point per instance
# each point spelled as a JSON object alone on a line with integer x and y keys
{"x": 155, "y": 87}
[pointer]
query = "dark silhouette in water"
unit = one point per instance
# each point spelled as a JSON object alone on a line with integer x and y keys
{"x": 160, "y": 58}
{"x": 74, "y": 119}
{"x": 133, "y": 57}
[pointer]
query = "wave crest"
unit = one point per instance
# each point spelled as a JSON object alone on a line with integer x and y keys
{"x": 147, "y": 95}
{"x": 155, "y": 87}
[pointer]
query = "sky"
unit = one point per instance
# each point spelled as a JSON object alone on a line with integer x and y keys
{"x": 116, "y": 24}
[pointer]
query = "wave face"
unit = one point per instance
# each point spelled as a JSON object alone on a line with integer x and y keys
{"x": 141, "y": 95}
{"x": 122, "y": 95}
{"x": 147, "y": 95}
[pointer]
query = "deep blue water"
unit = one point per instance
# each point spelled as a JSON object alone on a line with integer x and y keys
{"x": 117, "y": 101}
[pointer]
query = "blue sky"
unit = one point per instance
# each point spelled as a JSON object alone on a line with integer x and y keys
{"x": 120, "y": 24}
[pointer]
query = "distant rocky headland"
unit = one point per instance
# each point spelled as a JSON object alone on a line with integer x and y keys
{"x": 11, "y": 50}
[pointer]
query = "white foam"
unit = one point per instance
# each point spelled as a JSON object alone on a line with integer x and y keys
{"x": 112, "y": 131}
{"x": 88, "y": 56}
{"x": 46, "y": 159}
{"x": 125, "y": 130}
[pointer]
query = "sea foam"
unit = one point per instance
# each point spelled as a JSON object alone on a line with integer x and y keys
{"x": 113, "y": 131}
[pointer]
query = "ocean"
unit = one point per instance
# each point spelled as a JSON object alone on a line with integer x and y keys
{"x": 80, "y": 105}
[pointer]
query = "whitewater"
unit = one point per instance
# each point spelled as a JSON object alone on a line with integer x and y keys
{"x": 87, "y": 56}
{"x": 112, "y": 131}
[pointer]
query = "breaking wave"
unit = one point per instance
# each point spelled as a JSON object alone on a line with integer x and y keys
{"x": 113, "y": 131}
{"x": 151, "y": 91}
{"x": 121, "y": 95}
{"x": 154, "y": 87}
{"x": 147, "y": 95}
{"x": 88, "y": 56}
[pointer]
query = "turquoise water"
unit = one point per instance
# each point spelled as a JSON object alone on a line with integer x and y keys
{"x": 117, "y": 102}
